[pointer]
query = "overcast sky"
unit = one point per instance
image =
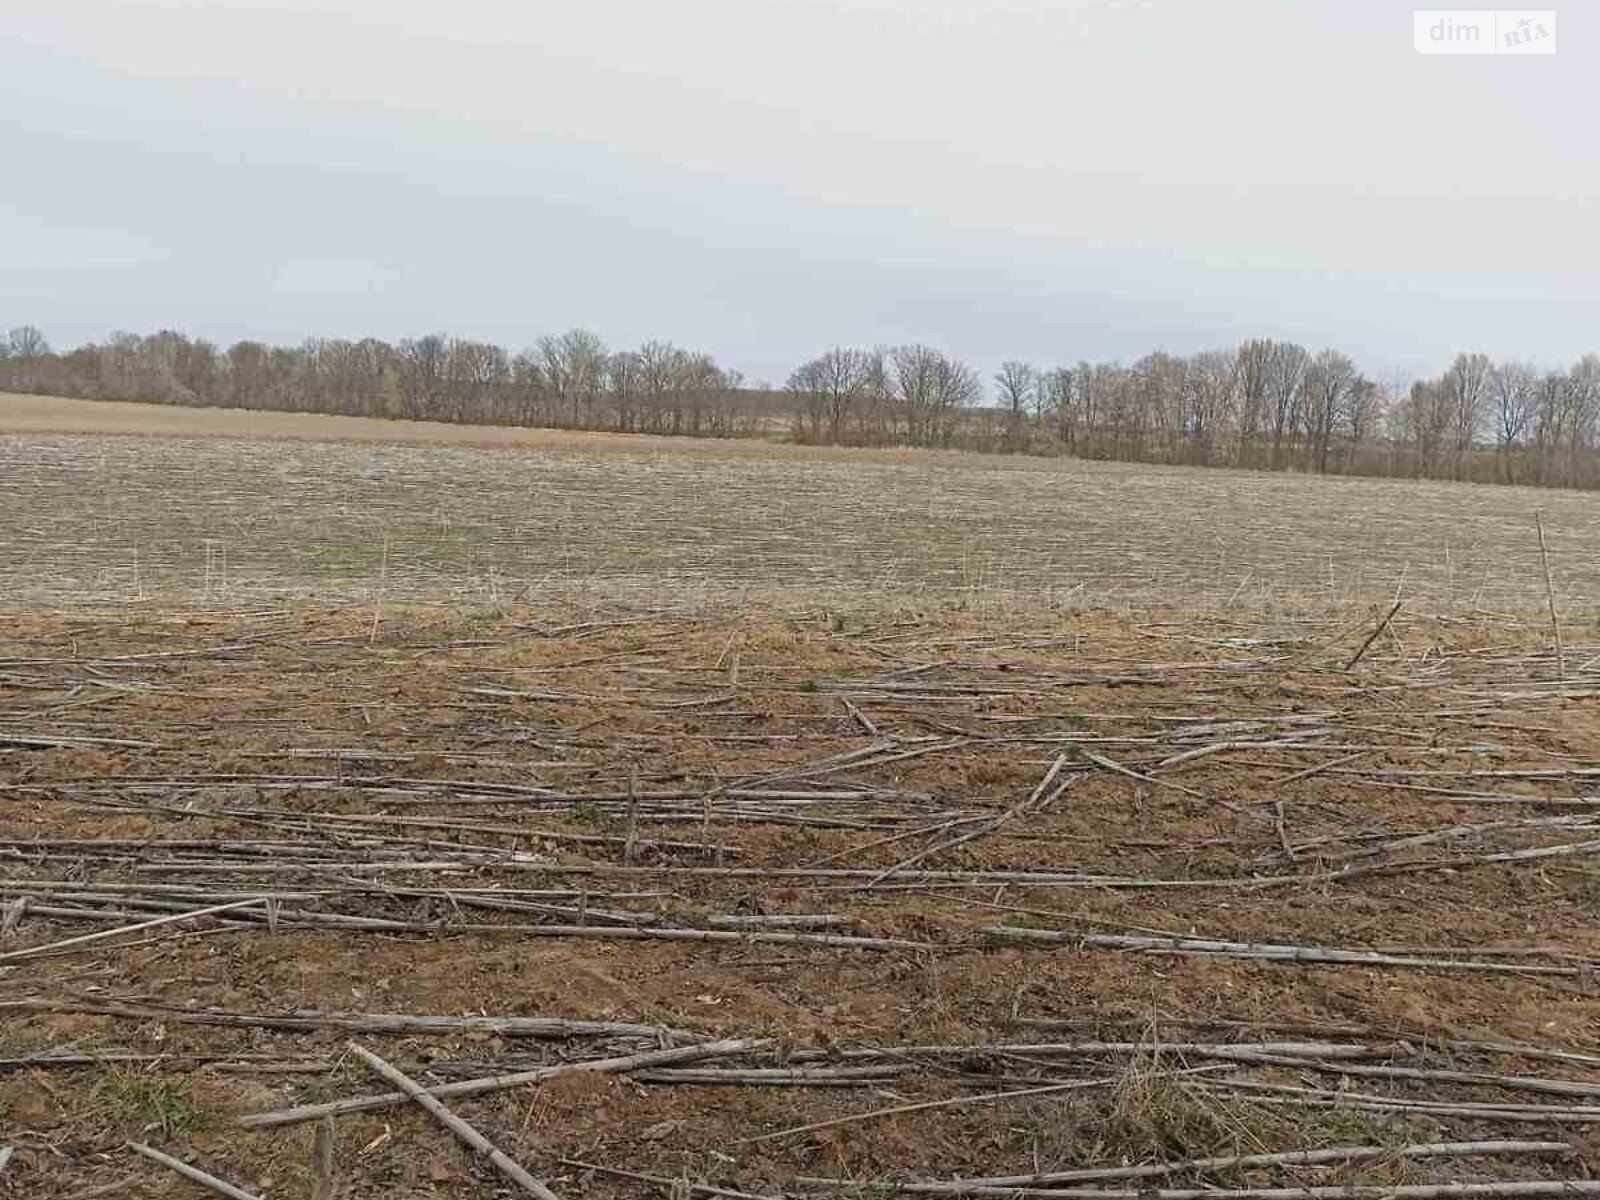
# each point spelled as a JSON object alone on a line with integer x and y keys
{"x": 1049, "y": 180}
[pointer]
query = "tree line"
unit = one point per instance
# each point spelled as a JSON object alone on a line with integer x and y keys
{"x": 1265, "y": 404}
{"x": 570, "y": 381}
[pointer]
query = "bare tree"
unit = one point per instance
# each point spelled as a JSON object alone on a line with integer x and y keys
{"x": 1329, "y": 380}
{"x": 1262, "y": 403}
{"x": 1158, "y": 399}
{"x": 624, "y": 383}
{"x": 1122, "y": 418}
{"x": 1251, "y": 367}
{"x": 531, "y": 395}
{"x": 1058, "y": 392}
{"x": 574, "y": 370}
{"x": 933, "y": 389}
{"x": 1208, "y": 400}
{"x": 1466, "y": 390}
{"x": 372, "y": 363}
{"x": 1018, "y": 383}
{"x": 660, "y": 366}
{"x": 1581, "y": 419}
{"x": 700, "y": 385}
{"x": 473, "y": 372}
{"x": 26, "y": 341}
{"x": 1090, "y": 389}
{"x": 830, "y": 389}
{"x": 1363, "y": 413}
{"x": 875, "y": 420}
{"x": 422, "y": 374}
{"x": 1284, "y": 370}
{"x": 198, "y": 370}
{"x": 1514, "y": 400}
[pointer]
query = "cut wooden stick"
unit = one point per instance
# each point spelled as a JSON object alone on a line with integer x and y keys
{"x": 219, "y": 1186}
{"x": 630, "y": 848}
{"x": 861, "y": 718}
{"x": 1112, "y": 765}
{"x": 1321, "y": 767}
{"x": 554, "y": 1028}
{"x": 503, "y": 1163}
{"x": 1271, "y": 951}
{"x": 110, "y": 933}
{"x": 1501, "y": 1190}
{"x": 1289, "y": 1158}
{"x": 473, "y": 1087}
{"x": 322, "y": 1160}
{"x": 1310, "y": 1097}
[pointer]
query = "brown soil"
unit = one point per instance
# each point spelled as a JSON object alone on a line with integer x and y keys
{"x": 282, "y": 725}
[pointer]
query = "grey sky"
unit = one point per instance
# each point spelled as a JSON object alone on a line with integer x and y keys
{"x": 764, "y": 178}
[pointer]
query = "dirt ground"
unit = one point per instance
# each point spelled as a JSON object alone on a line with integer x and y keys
{"x": 845, "y": 838}
{"x": 220, "y": 508}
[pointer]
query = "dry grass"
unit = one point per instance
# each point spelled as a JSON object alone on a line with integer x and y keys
{"x": 695, "y": 526}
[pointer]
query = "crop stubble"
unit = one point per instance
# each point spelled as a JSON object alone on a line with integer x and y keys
{"x": 980, "y": 894}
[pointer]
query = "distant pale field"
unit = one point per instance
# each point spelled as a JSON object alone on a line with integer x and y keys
{"x": 54, "y": 414}
{"x": 227, "y": 508}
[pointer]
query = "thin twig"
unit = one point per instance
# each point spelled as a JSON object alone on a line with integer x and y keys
{"x": 1373, "y": 636}
{"x": 220, "y": 1186}
{"x": 1550, "y": 595}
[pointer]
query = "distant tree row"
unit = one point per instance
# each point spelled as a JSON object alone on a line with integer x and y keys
{"x": 571, "y": 381}
{"x": 1265, "y": 404}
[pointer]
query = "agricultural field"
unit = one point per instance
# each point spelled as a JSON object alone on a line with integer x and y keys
{"x": 218, "y": 507}
{"x": 702, "y": 819}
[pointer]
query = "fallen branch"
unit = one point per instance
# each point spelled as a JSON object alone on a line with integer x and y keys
{"x": 1503, "y": 1190}
{"x": 1289, "y": 1158}
{"x": 109, "y": 933}
{"x": 435, "y": 1108}
{"x": 474, "y": 1087}
{"x": 1271, "y": 951}
{"x": 311, "y": 1019}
